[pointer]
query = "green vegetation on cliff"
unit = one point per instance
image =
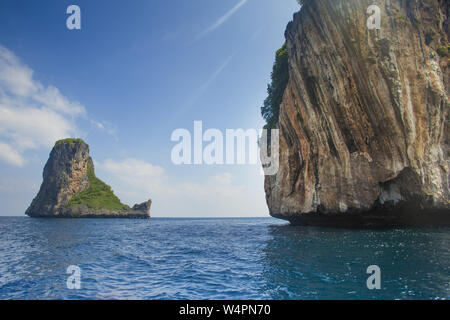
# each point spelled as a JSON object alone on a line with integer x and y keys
{"x": 70, "y": 141}
{"x": 280, "y": 76}
{"x": 442, "y": 51}
{"x": 98, "y": 196}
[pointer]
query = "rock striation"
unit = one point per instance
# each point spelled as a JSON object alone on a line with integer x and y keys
{"x": 70, "y": 188}
{"x": 364, "y": 133}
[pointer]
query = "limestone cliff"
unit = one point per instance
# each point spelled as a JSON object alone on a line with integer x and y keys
{"x": 71, "y": 189}
{"x": 364, "y": 135}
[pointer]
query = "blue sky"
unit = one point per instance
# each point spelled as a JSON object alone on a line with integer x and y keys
{"x": 135, "y": 72}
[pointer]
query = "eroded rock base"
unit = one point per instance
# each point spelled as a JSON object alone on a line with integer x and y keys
{"x": 375, "y": 219}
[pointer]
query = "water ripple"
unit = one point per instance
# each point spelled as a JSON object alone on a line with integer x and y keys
{"x": 217, "y": 259}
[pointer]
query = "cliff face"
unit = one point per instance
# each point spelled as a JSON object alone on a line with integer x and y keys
{"x": 364, "y": 118}
{"x": 71, "y": 189}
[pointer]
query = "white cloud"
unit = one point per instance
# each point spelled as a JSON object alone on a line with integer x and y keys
{"x": 223, "y": 179}
{"x": 221, "y": 20}
{"x": 51, "y": 98}
{"x": 105, "y": 126}
{"x": 147, "y": 178}
{"x": 10, "y": 155}
{"x": 138, "y": 178}
{"x": 32, "y": 115}
{"x": 33, "y": 128}
{"x": 132, "y": 170}
{"x": 136, "y": 181}
{"x": 15, "y": 77}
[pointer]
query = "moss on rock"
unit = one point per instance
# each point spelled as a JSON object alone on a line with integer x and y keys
{"x": 99, "y": 195}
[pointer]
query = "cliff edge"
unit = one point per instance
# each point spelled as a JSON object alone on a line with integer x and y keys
{"x": 364, "y": 134}
{"x": 70, "y": 188}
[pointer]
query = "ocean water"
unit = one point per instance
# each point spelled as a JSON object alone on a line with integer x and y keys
{"x": 260, "y": 258}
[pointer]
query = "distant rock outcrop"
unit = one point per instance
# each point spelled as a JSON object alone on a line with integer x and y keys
{"x": 364, "y": 120}
{"x": 70, "y": 188}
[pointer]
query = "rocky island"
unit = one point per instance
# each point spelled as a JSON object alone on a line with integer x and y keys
{"x": 70, "y": 188}
{"x": 363, "y": 115}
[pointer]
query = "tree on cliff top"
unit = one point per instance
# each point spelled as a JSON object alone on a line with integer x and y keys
{"x": 275, "y": 90}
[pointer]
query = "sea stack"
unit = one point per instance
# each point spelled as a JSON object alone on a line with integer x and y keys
{"x": 70, "y": 188}
{"x": 364, "y": 119}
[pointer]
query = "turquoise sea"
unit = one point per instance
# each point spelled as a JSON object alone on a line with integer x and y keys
{"x": 248, "y": 258}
